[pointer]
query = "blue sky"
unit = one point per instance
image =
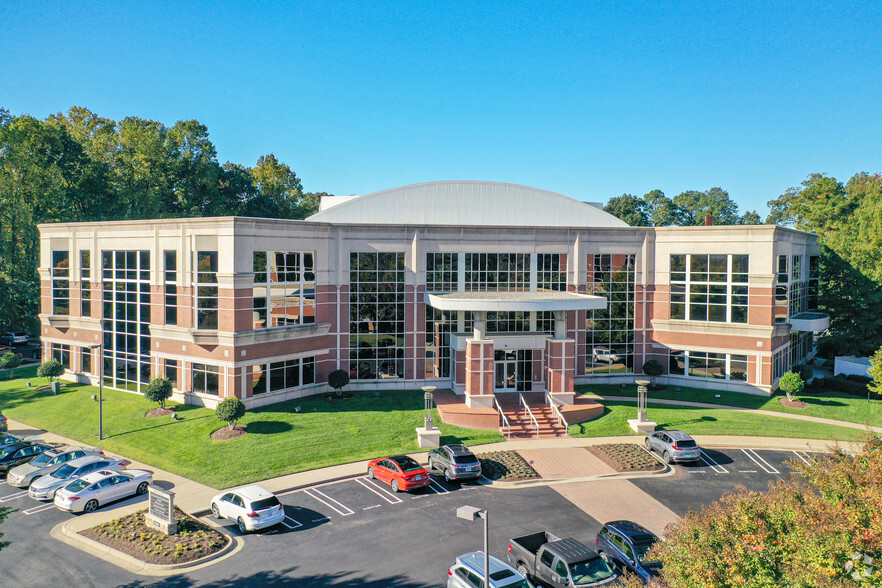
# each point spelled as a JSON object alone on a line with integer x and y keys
{"x": 590, "y": 99}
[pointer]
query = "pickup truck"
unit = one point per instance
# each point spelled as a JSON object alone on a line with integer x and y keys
{"x": 551, "y": 561}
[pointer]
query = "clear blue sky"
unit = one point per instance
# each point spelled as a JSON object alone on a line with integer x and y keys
{"x": 590, "y": 99}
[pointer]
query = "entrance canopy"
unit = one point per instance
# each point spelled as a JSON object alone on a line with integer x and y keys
{"x": 514, "y": 301}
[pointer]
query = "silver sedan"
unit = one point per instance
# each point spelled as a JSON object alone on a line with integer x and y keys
{"x": 44, "y": 487}
{"x": 91, "y": 491}
{"x": 46, "y": 463}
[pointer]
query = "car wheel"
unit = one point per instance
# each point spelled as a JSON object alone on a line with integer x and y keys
{"x": 604, "y": 557}
{"x": 371, "y": 473}
{"x": 90, "y": 506}
{"x": 395, "y": 486}
{"x": 667, "y": 457}
{"x": 522, "y": 569}
{"x": 241, "y": 524}
{"x": 215, "y": 511}
{"x": 142, "y": 488}
{"x": 430, "y": 465}
{"x": 648, "y": 445}
{"x": 447, "y": 477}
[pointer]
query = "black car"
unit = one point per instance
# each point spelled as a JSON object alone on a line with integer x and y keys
{"x": 9, "y": 439}
{"x": 4, "y": 426}
{"x": 19, "y": 453}
{"x": 624, "y": 544}
{"x": 456, "y": 462}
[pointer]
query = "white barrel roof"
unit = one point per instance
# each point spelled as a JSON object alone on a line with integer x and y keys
{"x": 467, "y": 203}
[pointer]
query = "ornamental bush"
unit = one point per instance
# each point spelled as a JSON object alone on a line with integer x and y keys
{"x": 50, "y": 369}
{"x": 230, "y": 410}
{"x": 791, "y": 384}
{"x": 158, "y": 390}
{"x": 10, "y": 361}
{"x": 653, "y": 368}
{"x": 337, "y": 380}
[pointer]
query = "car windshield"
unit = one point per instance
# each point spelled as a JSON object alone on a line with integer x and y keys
{"x": 264, "y": 504}
{"x": 407, "y": 464}
{"x": 5, "y": 439}
{"x": 64, "y": 472}
{"x": 6, "y": 451}
{"x": 43, "y": 459}
{"x": 76, "y": 486}
{"x": 592, "y": 570}
{"x": 641, "y": 547}
{"x": 465, "y": 459}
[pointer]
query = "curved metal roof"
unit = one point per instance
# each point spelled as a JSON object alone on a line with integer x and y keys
{"x": 461, "y": 203}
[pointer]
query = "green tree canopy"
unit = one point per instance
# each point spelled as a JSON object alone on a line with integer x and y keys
{"x": 628, "y": 208}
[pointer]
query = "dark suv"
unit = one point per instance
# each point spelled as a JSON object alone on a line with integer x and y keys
{"x": 624, "y": 544}
{"x": 456, "y": 462}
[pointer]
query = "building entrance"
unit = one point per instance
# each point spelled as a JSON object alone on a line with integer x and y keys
{"x": 514, "y": 370}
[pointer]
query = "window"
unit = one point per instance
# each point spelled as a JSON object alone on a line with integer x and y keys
{"x": 206, "y": 289}
{"x": 85, "y": 283}
{"x": 508, "y": 322}
{"x": 609, "y": 340}
{"x": 171, "y": 289}
{"x": 551, "y": 273}
{"x": 376, "y": 315}
{"x": 205, "y": 378}
{"x": 546, "y": 559}
{"x": 171, "y": 371}
{"x": 497, "y": 272}
{"x": 126, "y": 313}
{"x": 284, "y": 288}
{"x": 87, "y": 359}
{"x": 814, "y": 281}
{"x": 60, "y": 273}
{"x": 707, "y": 365}
{"x": 709, "y": 288}
{"x": 61, "y": 353}
{"x": 442, "y": 272}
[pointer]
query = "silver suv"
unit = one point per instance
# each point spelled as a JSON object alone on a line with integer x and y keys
{"x": 468, "y": 572}
{"x": 674, "y": 446}
{"x": 456, "y": 462}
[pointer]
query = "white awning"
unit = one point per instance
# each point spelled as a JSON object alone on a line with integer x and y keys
{"x": 514, "y": 301}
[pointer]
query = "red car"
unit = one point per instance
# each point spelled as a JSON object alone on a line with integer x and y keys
{"x": 401, "y": 472}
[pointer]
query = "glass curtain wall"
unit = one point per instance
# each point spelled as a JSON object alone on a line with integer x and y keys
{"x": 706, "y": 365}
{"x": 284, "y": 288}
{"x": 609, "y": 333}
{"x": 376, "y": 315}
{"x": 126, "y": 311}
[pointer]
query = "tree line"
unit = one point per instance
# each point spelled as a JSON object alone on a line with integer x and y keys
{"x": 79, "y": 166}
{"x": 686, "y": 209}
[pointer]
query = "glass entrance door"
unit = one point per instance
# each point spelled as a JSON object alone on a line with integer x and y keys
{"x": 514, "y": 370}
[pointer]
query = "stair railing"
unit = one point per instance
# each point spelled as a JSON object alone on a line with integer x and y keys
{"x": 530, "y": 413}
{"x": 503, "y": 418}
{"x": 560, "y": 417}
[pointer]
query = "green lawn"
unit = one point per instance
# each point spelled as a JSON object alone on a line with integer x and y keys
{"x": 707, "y": 421}
{"x": 830, "y": 405}
{"x": 280, "y": 441}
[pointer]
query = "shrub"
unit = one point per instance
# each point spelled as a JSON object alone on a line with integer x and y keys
{"x": 230, "y": 410}
{"x": 876, "y": 372}
{"x": 158, "y": 390}
{"x": 10, "y": 361}
{"x": 791, "y": 384}
{"x": 337, "y": 380}
{"x": 804, "y": 371}
{"x": 653, "y": 368}
{"x": 851, "y": 385}
{"x": 50, "y": 369}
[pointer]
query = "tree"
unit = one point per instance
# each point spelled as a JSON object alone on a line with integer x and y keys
{"x": 662, "y": 211}
{"x": 791, "y": 383}
{"x": 158, "y": 390}
{"x": 875, "y": 372}
{"x": 230, "y": 410}
{"x": 628, "y": 208}
{"x": 804, "y": 371}
{"x": 279, "y": 187}
{"x": 10, "y": 361}
{"x": 337, "y": 379}
{"x": 653, "y": 368}
{"x": 4, "y": 512}
{"x": 750, "y": 218}
{"x": 714, "y": 202}
{"x": 50, "y": 369}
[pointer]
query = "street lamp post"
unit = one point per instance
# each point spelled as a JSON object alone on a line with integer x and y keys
{"x": 100, "y": 348}
{"x": 470, "y": 513}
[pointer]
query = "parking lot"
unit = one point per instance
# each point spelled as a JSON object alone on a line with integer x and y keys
{"x": 357, "y": 532}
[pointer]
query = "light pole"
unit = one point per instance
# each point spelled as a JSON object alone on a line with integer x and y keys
{"x": 470, "y": 513}
{"x": 100, "y": 348}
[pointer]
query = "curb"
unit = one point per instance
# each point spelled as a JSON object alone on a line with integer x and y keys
{"x": 62, "y": 533}
{"x": 666, "y": 471}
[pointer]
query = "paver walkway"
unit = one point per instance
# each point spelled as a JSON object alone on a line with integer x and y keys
{"x": 575, "y": 462}
{"x": 785, "y": 415}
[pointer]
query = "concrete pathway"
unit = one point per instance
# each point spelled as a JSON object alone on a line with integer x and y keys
{"x": 784, "y": 415}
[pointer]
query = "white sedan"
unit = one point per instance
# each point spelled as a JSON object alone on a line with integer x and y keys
{"x": 252, "y": 507}
{"x": 93, "y": 490}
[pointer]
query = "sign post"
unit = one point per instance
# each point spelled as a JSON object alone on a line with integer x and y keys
{"x": 161, "y": 511}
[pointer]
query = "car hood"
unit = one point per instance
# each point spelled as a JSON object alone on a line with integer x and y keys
{"x": 48, "y": 481}
{"x": 24, "y": 469}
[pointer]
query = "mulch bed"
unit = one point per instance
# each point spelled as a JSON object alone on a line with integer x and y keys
{"x": 506, "y": 466}
{"x": 131, "y": 536}
{"x": 333, "y": 396}
{"x": 47, "y": 387}
{"x": 159, "y": 412}
{"x": 626, "y": 457}
{"x": 793, "y": 403}
{"x": 225, "y": 433}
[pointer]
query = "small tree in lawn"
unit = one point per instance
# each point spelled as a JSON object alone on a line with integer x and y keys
{"x": 875, "y": 372}
{"x": 337, "y": 380}
{"x": 50, "y": 369}
{"x": 791, "y": 384}
{"x": 230, "y": 410}
{"x": 158, "y": 390}
{"x": 10, "y": 361}
{"x": 653, "y": 368}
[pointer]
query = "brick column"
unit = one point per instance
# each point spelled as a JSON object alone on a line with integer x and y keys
{"x": 479, "y": 373}
{"x": 560, "y": 369}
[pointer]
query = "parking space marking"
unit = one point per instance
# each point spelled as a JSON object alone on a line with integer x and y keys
{"x": 346, "y": 510}
{"x": 296, "y": 524}
{"x": 438, "y": 487}
{"x": 14, "y": 496}
{"x": 804, "y": 456}
{"x": 40, "y": 508}
{"x": 755, "y": 458}
{"x": 390, "y": 498}
{"x": 717, "y": 468}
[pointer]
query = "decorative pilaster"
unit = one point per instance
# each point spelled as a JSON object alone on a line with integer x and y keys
{"x": 479, "y": 373}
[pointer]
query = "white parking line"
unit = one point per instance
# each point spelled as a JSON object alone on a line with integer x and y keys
{"x": 708, "y": 460}
{"x": 804, "y": 456}
{"x": 296, "y": 524}
{"x": 14, "y": 496}
{"x": 755, "y": 458}
{"x": 346, "y": 512}
{"x": 40, "y": 508}
{"x": 438, "y": 487}
{"x": 390, "y": 498}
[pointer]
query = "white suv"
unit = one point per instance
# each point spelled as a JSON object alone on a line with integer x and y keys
{"x": 252, "y": 508}
{"x": 16, "y": 338}
{"x": 606, "y": 355}
{"x": 468, "y": 572}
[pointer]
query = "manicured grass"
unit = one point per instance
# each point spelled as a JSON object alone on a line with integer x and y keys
{"x": 830, "y": 405}
{"x": 279, "y": 441}
{"x": 707, "y": 421}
